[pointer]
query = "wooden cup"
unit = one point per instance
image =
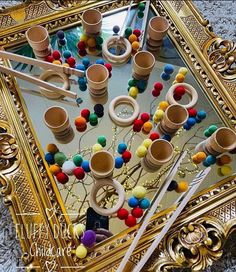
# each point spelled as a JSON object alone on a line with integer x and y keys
{"x": 174, "y": 118}
{"x": 157, "y": 28}
{"x": 92, "y": 21}
{"x": 102, "y": 164}
{"x": 38, "y": 38}
{"x": 57, "y": 120}
{"x": 43, "y": 53}
{"x": 97, "y": 76}
{"x": 143, "y": 63}
{"x": 221, "y": 141}
{"x": 159, "y": 153}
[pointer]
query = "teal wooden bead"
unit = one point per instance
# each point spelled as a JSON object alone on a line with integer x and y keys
{"x": 212, "y": 129}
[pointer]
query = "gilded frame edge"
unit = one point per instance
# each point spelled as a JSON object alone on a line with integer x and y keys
{"x": 224, "y": 191}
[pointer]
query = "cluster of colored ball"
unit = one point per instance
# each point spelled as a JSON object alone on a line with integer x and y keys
{"x": 180, "y": 77}
{"x": 125, "y": 155}
{"x": 101, "y": 142}
{"x": 90, "y": 43}
{"x": 133, "y": 37}
{"x": 160, "y": 111}
{"x": 138, "y": 203}
{"x": 87, "y": 239}
{"x": 168, "y": 70}
{"x": 225, "y": 169}
{"x": 136, "y": 86}
{"x": 179, "y": 187}
{"x": 141, "y": 8}
{"x": 210, "y": 130}
{"x": 61, "y": 40}
{"x": 157, "y": 88}
{"x": 143, "y": 124}
{"x": 194, "y": 117}
{"x": 179, "y": 92}
{"x": 199, "y": 157}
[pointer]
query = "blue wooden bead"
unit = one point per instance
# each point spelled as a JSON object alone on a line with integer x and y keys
{"x": 210, "y": 159}
{"x": 144, "y": 203}
{"x": 166, "y": 137}
{"x": 121, "y": 148}
{"x": 201, "y": 114}
{"x": 191, "y": 121}
{"x": 165, "y": 76}
{"x": 119, "y": 162}
{"x": 100, "y": 61}
{"x": 116, "y": 29}
{"x": 80, "y": 67}
{"x": 169, "y": 69}
{"x": 186, "y": 126}
{"x": 66, "y": 54}
{"x": 198, "y": 120}
{"x": 133, "y": 202}
{"x": 49, "y": 158}
{"x": 85, "y": 166}
{"x": 62, "y": 42}
{"x": 141, "y": 84}
{"x": 83, "y": 88}
{"x": 60, "y": 34}
{"x": 86, "y": 62}
{"x": 206, "y": 164}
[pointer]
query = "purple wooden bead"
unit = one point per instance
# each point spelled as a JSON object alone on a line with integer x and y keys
{"x": 88, "y": 238}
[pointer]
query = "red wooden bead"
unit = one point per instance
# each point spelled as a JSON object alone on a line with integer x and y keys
{"x": 71, "y": 61}
{"x": 126, "y": 156}
{"x": 130, "y": 221}
{"x": 137, "y": 32}
{"x": 177, "y": 97}
{"x": 108, "y": 66}
{"x": 158, "y": 86}
{"x": 138, "y": 123}
{"x": 122, "y": 214}
{"x": 155, "y": 93}
{"x": 81, "y": 45}
{"x": 145, "y": 117}
{"x": 62, "y": 178}
{"x": 154, "y": 136}
{"x": 192, "y": 112}
{"x": 79, "y": 173}
{"x": 56, "y": 54}
{"x": 180, "y": 91}
{"x": 137, "y": 212}
{"x": 49, "y": 58}
{"x": 85, "y": 113}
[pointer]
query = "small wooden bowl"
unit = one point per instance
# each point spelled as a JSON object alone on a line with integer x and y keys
{"x": 143, "y": 63}
{"x": 38, "y": 38}
{"x": 157, "y": 28}
{"x": 92, "y": 21}
{"x": 97, "y": 76}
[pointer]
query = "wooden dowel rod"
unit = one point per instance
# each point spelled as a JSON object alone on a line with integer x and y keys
{"x": 40, "y": 63}
{"x": 38, "y": 82}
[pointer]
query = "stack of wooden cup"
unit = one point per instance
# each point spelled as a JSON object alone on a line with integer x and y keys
{"x": 221, "y": 141}
{"x": 92, "y": 24}
{"x": 174, "y": 118}
{"x": 159, "y": 153}
{"x": 157, "y": 30}
{"x": 38, "y": 39}
{"x": 97, "y": 77}
{"x": 57, "y": 120}
{"x": 143, "y": 63}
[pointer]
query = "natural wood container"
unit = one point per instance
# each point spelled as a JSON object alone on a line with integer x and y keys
{"x": 38, "y": 38}
{"x": 143, "y": 63}
{"x": 92, "y": 21}
{"x": 157, "y": 28}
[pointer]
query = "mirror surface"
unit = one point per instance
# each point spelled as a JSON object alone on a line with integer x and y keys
{"x": 75, "y": 193}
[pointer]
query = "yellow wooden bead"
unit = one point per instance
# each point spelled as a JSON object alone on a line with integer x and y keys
{"x": 79, "y": 229}
{"x": 56, "y": 62}
{"x": 96, "y": 147}
{"x": 139, "y": 192}
{"x": 163, "y": 105}
{"x": 159, "y": 115}
{"x": 179, "y": 78}
{"x": 147, "y": 126}
{"x": 133, "y": 38}
{"x": 133, "y": 92}
{"x": 147, "y": 143}
{"x": 83, "y": 38}
{"x": 141, "y": 151}
{"x": 195, "y": 159}
{"x": 182, "y": 187}
{"x": 183, "y": 71}
{"x": 81, "y": 252}
{"x": 226, "y": 170}
{"x": 65, "y": 65}
{"x": 91, "y": 42}
{"x": 135, "y": 45}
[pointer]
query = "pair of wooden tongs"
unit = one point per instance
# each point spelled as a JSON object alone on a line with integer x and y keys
{"x": 180, "y": 203}
{"x": 44, "y": 65}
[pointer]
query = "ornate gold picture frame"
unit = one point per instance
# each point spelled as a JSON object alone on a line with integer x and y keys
{"x": 30, "y": 191}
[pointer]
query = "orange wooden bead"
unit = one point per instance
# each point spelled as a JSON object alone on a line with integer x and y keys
{"x": 80, "y": 122}
{"x": 225, "y": 159}
{"x": 55, "y": 169}
{"x": 133, "y": 38}
{"x": 91, "y": 42}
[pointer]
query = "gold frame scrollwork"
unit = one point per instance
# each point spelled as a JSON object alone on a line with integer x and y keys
{"x": 197, "y": 237}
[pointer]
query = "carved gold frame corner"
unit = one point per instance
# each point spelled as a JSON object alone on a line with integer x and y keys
{"x": 197, "y": 237}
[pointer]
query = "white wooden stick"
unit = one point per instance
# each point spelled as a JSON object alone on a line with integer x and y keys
{"x": 159, "y": 195}
{"x": 38, "y": 82}
{"x": 40, "y": 63}
{"x": 196, "y": 182}
{"x": 144, "y": 23}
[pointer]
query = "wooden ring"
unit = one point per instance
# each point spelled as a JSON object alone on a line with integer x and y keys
{"x": 46, "y": 75}
{"x": 190, "y": 91}
{"x": 107, "y": 44}
{"x": 102, "y": 183}
{"x": 123, "y": 99}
